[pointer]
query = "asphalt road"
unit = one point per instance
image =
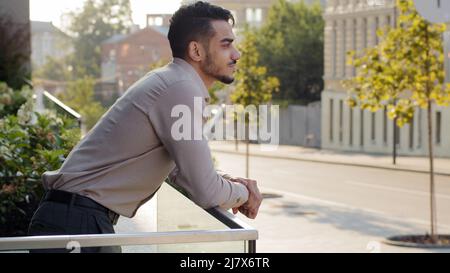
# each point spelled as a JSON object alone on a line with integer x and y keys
{"x": 372, "y": 203}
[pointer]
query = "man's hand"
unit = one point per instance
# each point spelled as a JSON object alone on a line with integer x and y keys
{"x": 251, "y": 207}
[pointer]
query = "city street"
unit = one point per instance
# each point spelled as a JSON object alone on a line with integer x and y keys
{"x": 319, "y": 207}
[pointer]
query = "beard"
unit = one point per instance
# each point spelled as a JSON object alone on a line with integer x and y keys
{"x": 210, "y": 68}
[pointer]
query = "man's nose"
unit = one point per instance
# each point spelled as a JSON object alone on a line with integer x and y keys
{"x": 236, "y": 55}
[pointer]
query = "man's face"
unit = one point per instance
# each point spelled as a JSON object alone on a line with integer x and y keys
{"x": 221, "y": 57}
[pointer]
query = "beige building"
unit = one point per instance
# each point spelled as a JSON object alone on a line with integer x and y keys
{"x": 351, "y": 25}
{"x": 48, "y": 41}
{"x": 251, "y": 12}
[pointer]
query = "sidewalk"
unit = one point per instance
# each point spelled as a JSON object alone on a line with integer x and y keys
{"x": 404, "y": 163}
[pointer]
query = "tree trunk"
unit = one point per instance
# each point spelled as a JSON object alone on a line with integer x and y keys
{"x": 236, "y": 140}
{"x": 247, "y": 151}
{"x": 432, "y": 195}
{"x": 394, "y": 146}
{"x": 433, "y": 217}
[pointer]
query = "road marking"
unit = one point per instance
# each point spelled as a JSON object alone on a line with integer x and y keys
{"x": 346, "y": 206}
{"x": 396, "y": 189}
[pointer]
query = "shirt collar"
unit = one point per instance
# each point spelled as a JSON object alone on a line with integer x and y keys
{"x": 194, "y": 75}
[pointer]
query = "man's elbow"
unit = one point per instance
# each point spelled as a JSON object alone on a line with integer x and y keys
{"x": 206, "y": 204}
{"x": 206, "y": 200}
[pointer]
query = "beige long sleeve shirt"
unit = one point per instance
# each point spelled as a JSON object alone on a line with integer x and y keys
{"x": 125, "y": 158}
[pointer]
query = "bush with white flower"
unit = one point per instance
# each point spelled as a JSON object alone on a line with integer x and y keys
{"x": 30, "y": 144}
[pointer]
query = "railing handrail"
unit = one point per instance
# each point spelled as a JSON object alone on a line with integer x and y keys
{"x": 66, "y": 108}
{"x": 144, "y": 238}
{"x": 239, "y": 231}
{"x": 55, "y": 100}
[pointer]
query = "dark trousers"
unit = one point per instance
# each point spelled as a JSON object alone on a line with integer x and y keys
{"x": 62, "y": 213}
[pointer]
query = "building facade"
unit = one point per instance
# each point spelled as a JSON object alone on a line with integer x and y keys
{"x": 352, "y": 25}
{"x": 251, "y": 12}
{"x": 126, "y": 58}
{"x": 158, "y": 20}
{"x": 48, "y": 41}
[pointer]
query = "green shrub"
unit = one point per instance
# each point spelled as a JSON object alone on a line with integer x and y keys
{"x": 30, "y": 144}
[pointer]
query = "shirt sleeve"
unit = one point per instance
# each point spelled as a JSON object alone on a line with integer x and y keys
{"x": 194, "y": 172}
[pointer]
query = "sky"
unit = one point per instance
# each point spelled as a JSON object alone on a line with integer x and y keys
{"x": 51, "y": 10}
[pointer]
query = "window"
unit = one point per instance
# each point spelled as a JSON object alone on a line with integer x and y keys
{"x": 351, "y": 127}
{"x": 385, "y": 124}
{"x": 112, "y": 54}
{"x": 364, "y": 28}
{"x": 249, "y": 15}
{"x": 355, "y": 28}
{"x": 411, "y": 134}
{"x": 344, "y": 51}
{"x": 419, "y": 124}
{"x": 331, "y": 120}
{"x": 155, "y": 21}
{"x": 341, "y": 120}
{"x": 334, "y": 48}
{"x": 253, "y": 15}
{"x": 438, "y": 127}
{"x": 159, "y": 21}
{"x": 125, "y": 48}
{"x": 373, "y": 125}
{"x": 447, "y": 55}
{"x": 377, "y": 25}
{"x": 258, "y": 15}
{"x": 361, "y": 127}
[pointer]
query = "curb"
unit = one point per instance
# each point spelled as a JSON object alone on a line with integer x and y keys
{"x": 394, "y": 242}
{"x": 332, "y": 162}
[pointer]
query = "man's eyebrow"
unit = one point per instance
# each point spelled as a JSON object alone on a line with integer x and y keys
{"x": 228, "y": 40}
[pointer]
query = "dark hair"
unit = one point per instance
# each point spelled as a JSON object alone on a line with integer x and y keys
{"x": 193, "y": 23}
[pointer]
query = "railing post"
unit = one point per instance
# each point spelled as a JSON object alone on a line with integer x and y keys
{"x": 39, "y": 105}
{"x": 252, "y": 246}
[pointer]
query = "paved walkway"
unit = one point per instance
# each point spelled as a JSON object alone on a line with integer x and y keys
{"x": 404, "y": 163}
{"x": 291, "y": 223}
{"x": 297, "y": 223}
{"x": 302, "y": 224}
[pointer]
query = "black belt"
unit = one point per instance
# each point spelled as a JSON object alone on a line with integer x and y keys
{"x": 79, "y": 200}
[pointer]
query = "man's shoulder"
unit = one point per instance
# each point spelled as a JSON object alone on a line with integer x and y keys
{"x": 171, "y": 74}
{"x": 170, "y": 79}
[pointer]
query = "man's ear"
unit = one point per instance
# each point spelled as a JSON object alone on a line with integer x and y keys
{"x": 195, "y": 51}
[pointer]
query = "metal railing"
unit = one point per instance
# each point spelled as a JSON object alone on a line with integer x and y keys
{"x": 46, "y": 100}
{"x": 239, "y": 231}
{"x": 61, "y": 107}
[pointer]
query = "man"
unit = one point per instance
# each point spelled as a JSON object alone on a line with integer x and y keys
{"x": 124, "y": 159}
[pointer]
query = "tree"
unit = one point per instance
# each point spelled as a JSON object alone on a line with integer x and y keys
{"x": 253, "y": 85}
{"x": 97, "y": 21}
{"x": 14, "y": 52}
{"x": 217, "y": 86}
{"x": 30, "y": 143}
{"x": 55, "y": 70}
{"x": 291, "y": 47}
{"x": 80, "y": 97}
{"x": 405, "y": 71}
